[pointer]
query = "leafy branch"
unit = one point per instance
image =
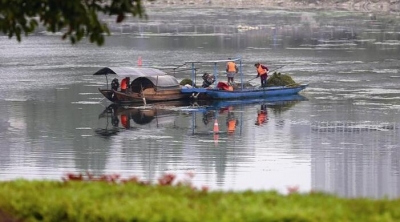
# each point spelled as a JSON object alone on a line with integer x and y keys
{"x": 74, "y": 18}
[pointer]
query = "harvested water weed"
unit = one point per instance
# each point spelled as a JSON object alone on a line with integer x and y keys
{"x": 279, "y": 79}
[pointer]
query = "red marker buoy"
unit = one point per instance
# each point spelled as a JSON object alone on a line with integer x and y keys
{"x": 216, "y": 127}
{"x": 139, "y": 61}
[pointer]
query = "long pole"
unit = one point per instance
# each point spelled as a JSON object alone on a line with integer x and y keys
{"x": 277, "y": 68}
{"x": 269, "y": 71}
{"x": 240, "y": 70}
{"x": 193, "y": 75}
{"x": 216, "y": 72}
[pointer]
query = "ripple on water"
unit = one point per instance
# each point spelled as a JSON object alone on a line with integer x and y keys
{"x": 154, "y": 137}
{"x": 378, "y": 91}
{"x": 365, "y": 103}
{"x": 349, "y": 62}
{"x": 351, "y": 127}
{"x": 88, "y": 93}
{"x": 86, "y": 102}
{"x": 16, "y": 99}
{"x": 354, "y": 71}
{"x": 348, "y": 80}
{"x": 388, "y": 42}
{"x": 94, "y": 85}
{"x": 385, "y": 70}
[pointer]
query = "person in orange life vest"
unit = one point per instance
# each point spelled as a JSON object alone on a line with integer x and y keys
{"x": 262, "y": 115}
{"x": 124, "y": 84}
{"x": 231, "y": 70}
{"x": 262, "y": 72}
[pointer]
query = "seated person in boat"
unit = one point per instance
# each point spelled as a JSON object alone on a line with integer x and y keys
{"x": 125, "y": 84}
{"x": 114, "y": 84}
{"x": 208, "y": 78}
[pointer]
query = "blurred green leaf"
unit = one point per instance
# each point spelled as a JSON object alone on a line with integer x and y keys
{"x": 76, "y": 19}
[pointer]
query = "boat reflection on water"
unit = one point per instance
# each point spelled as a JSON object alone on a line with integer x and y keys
{"x": 227, "y": 115}
{"x": 271, "y": 101}
{"x": 120, "y": 117}
{"x": 211, "y": 114}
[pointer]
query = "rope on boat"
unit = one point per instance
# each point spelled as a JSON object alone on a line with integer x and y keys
{"x": 143, "y": 98}
{"x": 195, "y": 96}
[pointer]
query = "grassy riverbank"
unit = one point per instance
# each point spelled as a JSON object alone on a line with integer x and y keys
{"x": 22, "y": 200}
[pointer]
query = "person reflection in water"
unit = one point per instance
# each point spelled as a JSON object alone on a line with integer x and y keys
{"x": 114, "y": 118}
{"x": 231, "y": 121}
{"x": 125, "y": 121}
{"x": 262, "y": 115}
{"x": 207, "y": 117}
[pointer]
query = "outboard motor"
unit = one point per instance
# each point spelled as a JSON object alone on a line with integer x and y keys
{"x": 114, "y": 84}
{"x": 209, "y": 79}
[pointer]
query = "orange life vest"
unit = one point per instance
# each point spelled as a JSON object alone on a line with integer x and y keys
{"x": 231, "y": 126}
{"x": 261, "y": 71}
{"x": 231, "y": 67}
{"x": 123, "y": 84}
{"x": 124, "y": 121}
{"x": 262, "y": 116}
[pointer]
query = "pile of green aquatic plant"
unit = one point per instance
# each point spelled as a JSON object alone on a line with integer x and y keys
{"x": 279, "y": 79}
{"x": 186, "y": 81}
{"x": 111, "y": 198}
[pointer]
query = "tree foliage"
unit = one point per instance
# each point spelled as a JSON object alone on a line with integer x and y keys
{"x": 74, "y": 18}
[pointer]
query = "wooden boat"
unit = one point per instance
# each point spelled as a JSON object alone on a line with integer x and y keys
{"x": 221, "y": 91}
{"x": 148, "y": 85}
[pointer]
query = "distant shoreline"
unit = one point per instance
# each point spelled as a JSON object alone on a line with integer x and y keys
{"x": 387, "y": 6}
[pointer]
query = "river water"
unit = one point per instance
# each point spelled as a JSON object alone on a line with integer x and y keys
{"x": 341, "y": 135}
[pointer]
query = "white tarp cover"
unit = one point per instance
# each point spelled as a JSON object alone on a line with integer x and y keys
{"x": 159, "y": 78}
{"x": 162, "y": 81}
{"x": 132, "y": 72}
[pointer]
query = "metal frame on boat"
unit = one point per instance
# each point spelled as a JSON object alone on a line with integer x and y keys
{"x": 147, "y": 85}
{"x": 240, "y": 92}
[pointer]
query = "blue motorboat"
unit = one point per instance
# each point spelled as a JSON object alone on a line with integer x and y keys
{"x": 272, "y": 91}
{"x": 240, "y": 92}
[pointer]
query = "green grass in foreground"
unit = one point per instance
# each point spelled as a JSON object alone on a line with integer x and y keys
{"x": 22, "y": 200}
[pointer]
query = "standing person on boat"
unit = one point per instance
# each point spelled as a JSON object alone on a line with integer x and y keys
{"x": 231, "y": 70}
{"x": 262, "y": 72}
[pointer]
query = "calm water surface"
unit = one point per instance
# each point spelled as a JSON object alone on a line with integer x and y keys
{"x": 340, "y": 136}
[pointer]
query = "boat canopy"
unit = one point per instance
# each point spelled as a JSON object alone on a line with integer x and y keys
{"x": 158, "y": 81}
{"x": 132, "y": 72}
{"x": 158, "y": 78}
{"x": 215, "y": 61}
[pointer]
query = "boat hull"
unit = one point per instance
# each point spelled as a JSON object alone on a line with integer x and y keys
{"x": 245, "y": 93}
{"x": 132, "y": 97}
